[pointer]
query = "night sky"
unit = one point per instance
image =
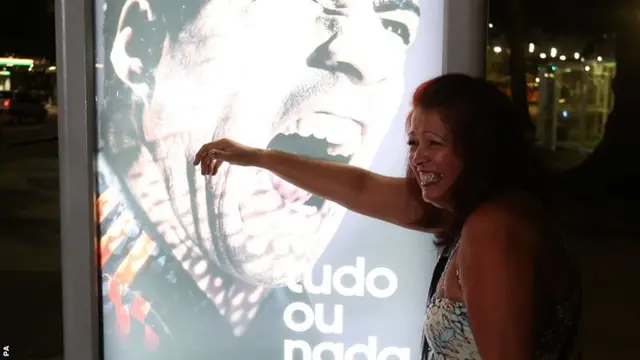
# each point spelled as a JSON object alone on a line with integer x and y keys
{"x": 27, "y": 28}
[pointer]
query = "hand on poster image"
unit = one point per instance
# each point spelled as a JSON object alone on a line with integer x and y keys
{"x": 296, "y": 244}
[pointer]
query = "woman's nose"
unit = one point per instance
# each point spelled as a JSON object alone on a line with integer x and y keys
{"x": 420, "y": 157}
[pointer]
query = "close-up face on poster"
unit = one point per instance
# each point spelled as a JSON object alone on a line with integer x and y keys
{"x": 243, "y": 265}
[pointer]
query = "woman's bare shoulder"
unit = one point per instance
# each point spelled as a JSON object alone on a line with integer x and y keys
{"x": 513, "y": 219}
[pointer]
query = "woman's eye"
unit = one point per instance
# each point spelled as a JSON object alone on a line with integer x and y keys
{"x": 412, "y": 143}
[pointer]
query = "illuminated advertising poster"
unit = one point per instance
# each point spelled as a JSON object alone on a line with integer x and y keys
{"x": 243, "y": 265}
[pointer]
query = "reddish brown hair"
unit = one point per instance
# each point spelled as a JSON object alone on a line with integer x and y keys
{"x": 489, "y": 137}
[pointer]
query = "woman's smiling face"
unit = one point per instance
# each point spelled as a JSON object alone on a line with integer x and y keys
{"x": 432, "y": 156}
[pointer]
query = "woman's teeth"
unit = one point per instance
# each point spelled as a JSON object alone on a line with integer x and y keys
{"x": 429, "y": 177}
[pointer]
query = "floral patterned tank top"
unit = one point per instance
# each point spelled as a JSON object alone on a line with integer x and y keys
{"x": 449, "y": 336}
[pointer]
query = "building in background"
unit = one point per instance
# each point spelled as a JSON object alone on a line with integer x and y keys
{"x": 37, "y": 76}
{"x": 569, "y": 86}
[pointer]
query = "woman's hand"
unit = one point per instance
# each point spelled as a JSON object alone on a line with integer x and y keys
{"x": 212, "y": 155}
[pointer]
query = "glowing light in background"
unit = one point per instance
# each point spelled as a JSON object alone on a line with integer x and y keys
{"x": 16, "y": 62}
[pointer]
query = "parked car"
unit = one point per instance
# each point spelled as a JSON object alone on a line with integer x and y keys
{"x": 22, "y": 107}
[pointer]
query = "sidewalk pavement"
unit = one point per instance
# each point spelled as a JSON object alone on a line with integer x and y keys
{"x": 16, "y": 135}
{"x": 31, "y": 312}
{"x": 30, "y": 280}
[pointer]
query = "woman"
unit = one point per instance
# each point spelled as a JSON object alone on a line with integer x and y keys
{"x": 507, "y": 290}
